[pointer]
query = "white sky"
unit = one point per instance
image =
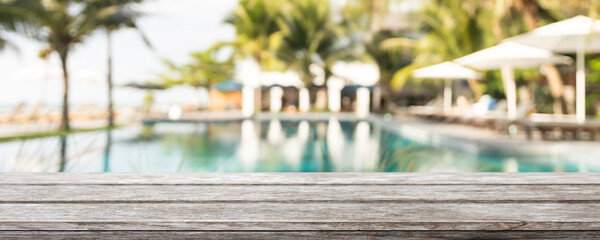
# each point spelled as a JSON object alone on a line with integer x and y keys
{"x": 174, "y": 27}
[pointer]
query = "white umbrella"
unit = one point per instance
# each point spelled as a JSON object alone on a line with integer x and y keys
{"x": 284, "y": 79}
{"x": 448, "y": 71}
{"x": 357, "y": 73}
{"x": 509, "y": 55}
{"x": 574, "y": 35}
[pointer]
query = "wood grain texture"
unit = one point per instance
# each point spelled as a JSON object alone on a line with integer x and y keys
{"x": 305, "y": 216}
{"x": 94, "y": 193}
{"x": 300, "y": 205}
{"x": 316, "y": 235}
{"x": 299, "y": 178}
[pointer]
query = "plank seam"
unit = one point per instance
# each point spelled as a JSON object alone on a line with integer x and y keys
{"x": 302, "y": 184}
{"x": 399, "y": 201}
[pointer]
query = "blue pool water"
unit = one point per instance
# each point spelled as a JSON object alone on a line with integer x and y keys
{"x": 259, "y": 146}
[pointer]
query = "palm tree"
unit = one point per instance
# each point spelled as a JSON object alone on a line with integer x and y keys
{"x": 311, "y": 36}
{"x": 13, "y": 18}
{"x": 314, "y": 36}
{"x": 7, "y": 21}
{"x": 63, "y": 24}
{"x": 390, "y": 50}
{"x": 451, "y": 30}
{"x": 257, "y": 32}
{"x": 204, "y": 70}
{"x": 114, "y": 15}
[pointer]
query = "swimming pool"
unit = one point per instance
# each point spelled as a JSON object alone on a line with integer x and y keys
{"x": 260, "y": 145}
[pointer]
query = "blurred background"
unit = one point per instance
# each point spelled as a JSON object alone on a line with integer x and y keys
{"x": 165, "y": 43}
{"x": 175, "y": 29}
{"x": 80, "y": 66}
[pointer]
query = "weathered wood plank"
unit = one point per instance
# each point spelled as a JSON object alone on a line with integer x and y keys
{"x": 298, "y": 193}
{"x": 299, "y": 178}
{"x": 410, "y": 235}
{"x": 212, "y": 205}
{"x": 301, "y": 216}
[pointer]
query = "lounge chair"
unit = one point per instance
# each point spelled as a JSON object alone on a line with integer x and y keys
{"x": 566, "y": 125}
{"x": 502, "y": 123}
{"x": 29, "y": 117}
{"x": 36, "y": 113}
{"x": 429, "y": 110}
{"x": 483, "y": 120}
{"x": 14, "y": 114}
{"x": 468, "y": 112}
{"x": 84, "y": 112}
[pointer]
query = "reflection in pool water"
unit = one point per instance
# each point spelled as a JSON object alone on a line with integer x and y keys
{"x": 258, "y": 146}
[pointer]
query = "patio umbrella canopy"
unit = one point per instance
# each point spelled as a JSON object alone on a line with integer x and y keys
{"x": 575, "y": 35}
{"x": 448, "y": 71}
{"x": 228, "y": 86}
{"x": 284, "y": 79}
{"x": 357, "y": 73}
{"x": 509, "y": 55}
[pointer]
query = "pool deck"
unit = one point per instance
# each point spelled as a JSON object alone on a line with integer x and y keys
{"x": 477, "y": 140}
{"x": 300, "y": 205}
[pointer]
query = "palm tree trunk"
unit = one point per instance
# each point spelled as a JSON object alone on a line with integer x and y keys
{"x": 530, "y": 9}
{"x": 64, "y": 124}
{"x": 111, "y": 112}
{"x": 375, "y": 7}
{"x": 386, "y": 94}
{"x": 475, "y": 88}
{"x": 556, "y": 89}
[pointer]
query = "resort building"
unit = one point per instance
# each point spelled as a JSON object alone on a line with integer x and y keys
{"x": 225, "y": 96}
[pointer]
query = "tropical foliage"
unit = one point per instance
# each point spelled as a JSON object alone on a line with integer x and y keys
{"x": 8, "y": 21}
{"x": 13, "y": 18}
{"x": 283, "y": 34}
{"x": 257, "y": 31}
{"x": 204, "y": 70}
{"x": 390, "y": 50}
{"x": 311, "y": 36}
{"x": 451, "y": 30}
